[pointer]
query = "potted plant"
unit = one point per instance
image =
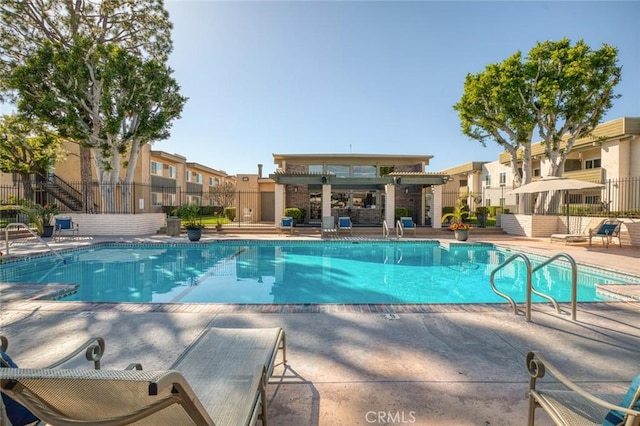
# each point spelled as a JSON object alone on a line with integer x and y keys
{"x": 219, "y": 219}
{"x": 190, "y": 214}
{"x": 456, "y": 221}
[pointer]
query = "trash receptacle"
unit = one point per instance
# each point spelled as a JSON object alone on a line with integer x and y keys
{"x": 173, "y": 226}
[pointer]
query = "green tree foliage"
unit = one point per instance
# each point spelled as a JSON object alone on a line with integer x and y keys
{"x": 95, "y": 70}
{"x": 114, "y": 101}
{"x": 559, "y": 89}
{"x": 27, "y": 146}
{"x": 573, "y": 88}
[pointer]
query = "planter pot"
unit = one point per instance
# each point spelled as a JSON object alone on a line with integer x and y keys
{"x": 47, "y": 231}
{"x": 461, "y": 234}
{"x": 194, "y": 234}
{"x": 219, "y": 228}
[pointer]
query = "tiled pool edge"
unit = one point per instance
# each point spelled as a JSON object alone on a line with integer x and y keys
{"x": 221, "y": 308}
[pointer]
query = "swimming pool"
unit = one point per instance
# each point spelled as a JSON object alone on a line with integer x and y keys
{"x": 297, "y": 272}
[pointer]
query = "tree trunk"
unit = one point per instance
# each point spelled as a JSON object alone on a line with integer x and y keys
{"x": 88, "y": 198}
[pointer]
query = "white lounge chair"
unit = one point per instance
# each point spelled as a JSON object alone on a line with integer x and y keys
{"x": 572, "y": 405}
{"x": 344, "y": 223}
{"x": 408, "y": 225}
{"x": 220, "y": 379}
{"x": 286, "y": 223}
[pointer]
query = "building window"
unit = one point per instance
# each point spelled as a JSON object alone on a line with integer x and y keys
{"x": 188, "y": 175}
{"x": 315, "y": 168}
{"x": 487, "y": 181}
{"x": 156, "y": 199}
{"x": 463, "y": 183}
{"x": 571, "y": 165}
{"x": 156, "y": 168}
{"x": 364, "y": 171}
{"x": 211, "y": 181}
{"x": 198, "y": 177}
{"x": 172, "y": 172}
{"x": 593, "y": 163}
{"x": 339, "y": 171}
{"x": 503, "y": 179}
{"x": 536, "y": 172}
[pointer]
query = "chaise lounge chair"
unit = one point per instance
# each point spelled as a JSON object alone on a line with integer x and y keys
{"x": 607, "y": 230}
{"x": 572, "y": 405}
{"x": 344, "y": 223}
{"x": 286, "y": 223}
{"x": 408, "y": 225}
{"x": 219, "y": 380}
{"x": 328, "y": 226}
{"x": 64, "y": 226}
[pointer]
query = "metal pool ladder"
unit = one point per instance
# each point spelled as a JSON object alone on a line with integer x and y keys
{"x": 18, "y": 225}
{"x": 530, "y": 289}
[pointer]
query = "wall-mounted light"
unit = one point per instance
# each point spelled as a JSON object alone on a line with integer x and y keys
{"x": 398, "y": 180}
{"x": 245, "y": 178}
{"x": 324, "y": 179}
{"x": 406, "y": 190}
{"x": 295, "y": 189}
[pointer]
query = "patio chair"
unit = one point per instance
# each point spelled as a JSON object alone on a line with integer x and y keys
{"x": 220, "y": 379}
{"x": 328, "y": 226}
{"x": 286, "y": 223}
{"x": 247, "y": 215}
{"x": 607, "y": 230}
{"x": 573, "y": 405}
{"x": 408, "y": 225}
{"x": 344, "y": 223}
{"x": 11, "y": 412}
{"x": 64, "y": 226}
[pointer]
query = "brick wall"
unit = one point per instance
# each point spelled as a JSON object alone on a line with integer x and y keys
{"x": 119, "y": 224}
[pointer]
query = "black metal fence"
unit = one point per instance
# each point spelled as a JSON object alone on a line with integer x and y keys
{"x": 137, "y": 198}
{"x": 618, "y": 197}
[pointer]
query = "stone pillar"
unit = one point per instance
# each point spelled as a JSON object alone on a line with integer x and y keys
{"x": 279, "y": 203}
{"x": 436, "y": 208}
{"x": 326, "y": 199}
{"x": 390, "y": 205}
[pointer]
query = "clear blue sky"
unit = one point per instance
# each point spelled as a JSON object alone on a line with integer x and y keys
{"x": 362, "y": 76}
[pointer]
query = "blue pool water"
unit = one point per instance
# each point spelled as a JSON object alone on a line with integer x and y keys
{"x": 299, "y": 272}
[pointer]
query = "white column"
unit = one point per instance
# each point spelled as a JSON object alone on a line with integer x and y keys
{"x": 279, "y": 203}
{"x": 436, "y": 208}
{"x": 326, "y": 199}
{"x": 390, "y": 205}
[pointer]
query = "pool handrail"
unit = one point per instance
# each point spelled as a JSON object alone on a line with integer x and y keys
{"x": 385, "y": 229}
{"x": 574, "y": 282}
{"x": 527, "y": 263}
{"x": 530, "y": 289}
{"x": 17, "y": 225}
{"x": 399, "y": 229}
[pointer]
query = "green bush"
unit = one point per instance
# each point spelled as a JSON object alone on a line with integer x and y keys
{"x": 230, "y": 213}
{"x": 296, "y": 213}
{"x": 402, "y": 212}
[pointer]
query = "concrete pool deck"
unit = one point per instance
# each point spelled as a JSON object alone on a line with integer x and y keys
{"x": 456, "y": 365}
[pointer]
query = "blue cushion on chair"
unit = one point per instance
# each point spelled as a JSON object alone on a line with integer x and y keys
{"x": 614, "y": 417}
{"x": 345, "y": 222}
{"x": 607, "y": 229}
{"x": 63, "y": 223}
{"x": 407, "y": 222}
{"x": 17, "y": 413}
{"x": 287, "y": 221}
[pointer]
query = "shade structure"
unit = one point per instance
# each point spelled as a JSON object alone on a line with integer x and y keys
{"x": 556, "y": 183}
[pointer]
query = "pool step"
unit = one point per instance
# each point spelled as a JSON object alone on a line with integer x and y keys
{"x": 624, "y": 292}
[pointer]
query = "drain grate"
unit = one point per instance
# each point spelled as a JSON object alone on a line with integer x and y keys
{"x": 392, "y": 317}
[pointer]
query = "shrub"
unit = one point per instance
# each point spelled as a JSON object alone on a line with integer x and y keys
{"x": 296, "y": 213}
{"x": 230, "y": 213}
{"x": 402, "y": 212}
